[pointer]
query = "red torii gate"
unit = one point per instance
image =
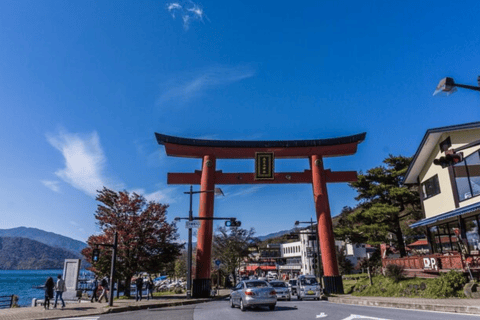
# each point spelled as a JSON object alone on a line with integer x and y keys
{"x": 208, "y": 177}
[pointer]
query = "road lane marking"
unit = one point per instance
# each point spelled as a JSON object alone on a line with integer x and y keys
{"x": 321, "y": 315}
{"x": 356, "y": 316}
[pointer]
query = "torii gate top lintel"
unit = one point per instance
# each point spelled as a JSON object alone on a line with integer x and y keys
{"x": 240, "y": 149}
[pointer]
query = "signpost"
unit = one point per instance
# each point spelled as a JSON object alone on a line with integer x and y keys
{"x": 192, "y": 224}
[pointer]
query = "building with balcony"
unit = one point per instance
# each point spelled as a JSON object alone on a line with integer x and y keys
{"x": 450, "y": 197}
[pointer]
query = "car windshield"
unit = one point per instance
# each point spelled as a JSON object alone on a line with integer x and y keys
{"x": 293, "y": 282}
{"x": 309, "y": 281}
{"x": 256, "y": 284}
{"x": 278, "y": 284}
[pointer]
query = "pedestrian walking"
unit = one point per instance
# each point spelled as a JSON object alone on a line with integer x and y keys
{"x": 149, "y": 287}
{"x": 139, "y": 285}
{"x": 95, "y": 289}
{"x": 104, "y": 285}
{"x": 59, "y": 289}
{"x": 49, "y": 286}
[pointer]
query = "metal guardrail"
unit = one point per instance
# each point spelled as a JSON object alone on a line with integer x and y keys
{"x": 6, "y": 301}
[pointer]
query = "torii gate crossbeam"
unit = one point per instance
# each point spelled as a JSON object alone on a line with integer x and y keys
{"x": 211, "y": 150}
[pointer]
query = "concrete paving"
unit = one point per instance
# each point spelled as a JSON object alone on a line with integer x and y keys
{"x": 85, "y": 309}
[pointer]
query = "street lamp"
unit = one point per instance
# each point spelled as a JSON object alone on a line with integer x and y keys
{"x": 318, "y": 242}
{"x": 217, "y": 192}
{"x": 448, "y": 86}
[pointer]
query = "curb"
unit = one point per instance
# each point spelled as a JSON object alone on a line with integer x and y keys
{"x": 405, "y": 305}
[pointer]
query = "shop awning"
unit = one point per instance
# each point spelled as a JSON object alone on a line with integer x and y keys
{"x": 265, "y": 268}
{"x": 446, "y": 215}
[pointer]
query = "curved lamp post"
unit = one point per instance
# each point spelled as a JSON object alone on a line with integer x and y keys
{"x": 448, "y": 86}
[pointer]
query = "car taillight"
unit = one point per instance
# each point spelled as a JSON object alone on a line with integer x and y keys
{"x": 249, "y": 293}
{"x": 273, "y": 292}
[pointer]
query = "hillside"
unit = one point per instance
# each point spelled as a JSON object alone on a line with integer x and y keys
{"x": 48, "y": 238}
{"x": 24, "y": 254}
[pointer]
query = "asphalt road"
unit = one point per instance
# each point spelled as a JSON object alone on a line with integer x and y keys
{"x": 285, "y": 310}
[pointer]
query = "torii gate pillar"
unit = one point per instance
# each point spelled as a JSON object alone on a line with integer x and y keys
{"x": 211, "y": 150}
{"x": 202, "y": 281}
{"x": 332, "y": 278}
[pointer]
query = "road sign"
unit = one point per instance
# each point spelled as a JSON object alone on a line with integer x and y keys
{"x": 218, "y": 262}
{"x": 192, "y": 224}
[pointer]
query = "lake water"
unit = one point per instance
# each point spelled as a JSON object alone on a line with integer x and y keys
{"x": 20, "y": 282}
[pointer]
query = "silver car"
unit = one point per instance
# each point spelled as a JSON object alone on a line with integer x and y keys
{"x": 282, "y": 290}
{"x": 253, "y": 293}
{"x": 308, "y": 287}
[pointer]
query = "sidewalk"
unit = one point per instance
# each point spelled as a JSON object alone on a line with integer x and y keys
{"x": 96, "y": 309}
{"x": 468, "y": 306}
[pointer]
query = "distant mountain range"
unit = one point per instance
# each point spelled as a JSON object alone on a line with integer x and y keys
{"x": 274, "y": 235}
{"x": 24, "y": 254}
{"x": 48, "y": 238}
{"x": 33, "y": 249}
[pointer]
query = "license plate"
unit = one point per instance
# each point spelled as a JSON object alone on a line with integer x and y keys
{"x": 310, "y": 292}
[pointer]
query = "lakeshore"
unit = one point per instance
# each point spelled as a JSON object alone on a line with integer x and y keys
{"x": 22, "y": 283}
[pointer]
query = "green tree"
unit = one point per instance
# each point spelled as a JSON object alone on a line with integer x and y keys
{"x": 181, "y": 266}
{"x": 345, "y": 266}
{"x": 146, "y": 242}
{"x": 384, "y": 203}
{"x": 230, "y": 246}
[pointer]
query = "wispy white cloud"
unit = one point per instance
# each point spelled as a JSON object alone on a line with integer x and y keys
{"x": 188, "y": 10}
{"x": 189, "y": 87}
{"x": 52, "y": 185}
{"x": 163, "y": 196}
{"x": 245, "y": 191}
{"x": 84, "y": 161}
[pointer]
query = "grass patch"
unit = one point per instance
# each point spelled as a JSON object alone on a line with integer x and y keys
{"x": 441, "y": 287}
{"x": 163, "y": 293}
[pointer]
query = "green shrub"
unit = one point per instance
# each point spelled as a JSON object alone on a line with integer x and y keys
{"x": 447, "y": 285}
{"x": 395, "y": 272}
{"x": 178, "y": 290}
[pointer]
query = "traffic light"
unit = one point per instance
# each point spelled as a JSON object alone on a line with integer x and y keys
{"x": 95, "y": 255}
{"x": 233, "y": 223}
{"x": 449, "y": 159}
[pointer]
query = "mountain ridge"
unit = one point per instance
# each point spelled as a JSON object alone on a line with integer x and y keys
{"x": 49, "y": 238}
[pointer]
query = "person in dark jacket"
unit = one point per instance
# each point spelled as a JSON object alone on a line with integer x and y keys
{"x": 49, "y": 285}
{"x": 149, "y": 287}
{"x": 139, "y": 285}
{"x": 95, "y": 289}
{"x": 104, "y": 284}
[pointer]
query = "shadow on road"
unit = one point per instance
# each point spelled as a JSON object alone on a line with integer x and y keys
{"x": 183, "y": 308}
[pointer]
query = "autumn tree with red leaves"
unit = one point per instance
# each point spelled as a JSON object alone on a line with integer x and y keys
{"x": 146, "y": 241}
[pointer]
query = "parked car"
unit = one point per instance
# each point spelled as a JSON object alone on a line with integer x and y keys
{"x": 253, "y": 293}
{"x": 292, "y": 285}
{"x": 281, "y": 289}
{"x": 272, "y": 276}
{"x": 308, "y": 287}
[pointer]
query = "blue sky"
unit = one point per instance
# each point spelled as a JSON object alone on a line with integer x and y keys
{"x": 85, "y": 84}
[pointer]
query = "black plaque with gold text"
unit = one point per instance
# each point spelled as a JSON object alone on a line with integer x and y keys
{"x": 264, "y": 166}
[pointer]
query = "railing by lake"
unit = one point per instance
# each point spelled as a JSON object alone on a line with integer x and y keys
{"x": 6, "y": 301}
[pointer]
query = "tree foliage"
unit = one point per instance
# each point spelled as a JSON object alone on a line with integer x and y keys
{"x": 385, "y": 203}
{"x": 230, "y": 246}
{"x": 146, "y": 241}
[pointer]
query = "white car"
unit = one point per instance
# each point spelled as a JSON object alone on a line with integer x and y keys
{"x": 281, "y": 289}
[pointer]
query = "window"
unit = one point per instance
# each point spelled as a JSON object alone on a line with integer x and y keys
{"x": 430, "y": 187}
{"x": 467, "y": 176}
{"x": 471, "y": 231}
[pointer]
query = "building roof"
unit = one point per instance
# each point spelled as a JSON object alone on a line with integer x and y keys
{"x": 428, "y": 144}
{"x": 418, "y": 243}
{"x": 446, "y": 215}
